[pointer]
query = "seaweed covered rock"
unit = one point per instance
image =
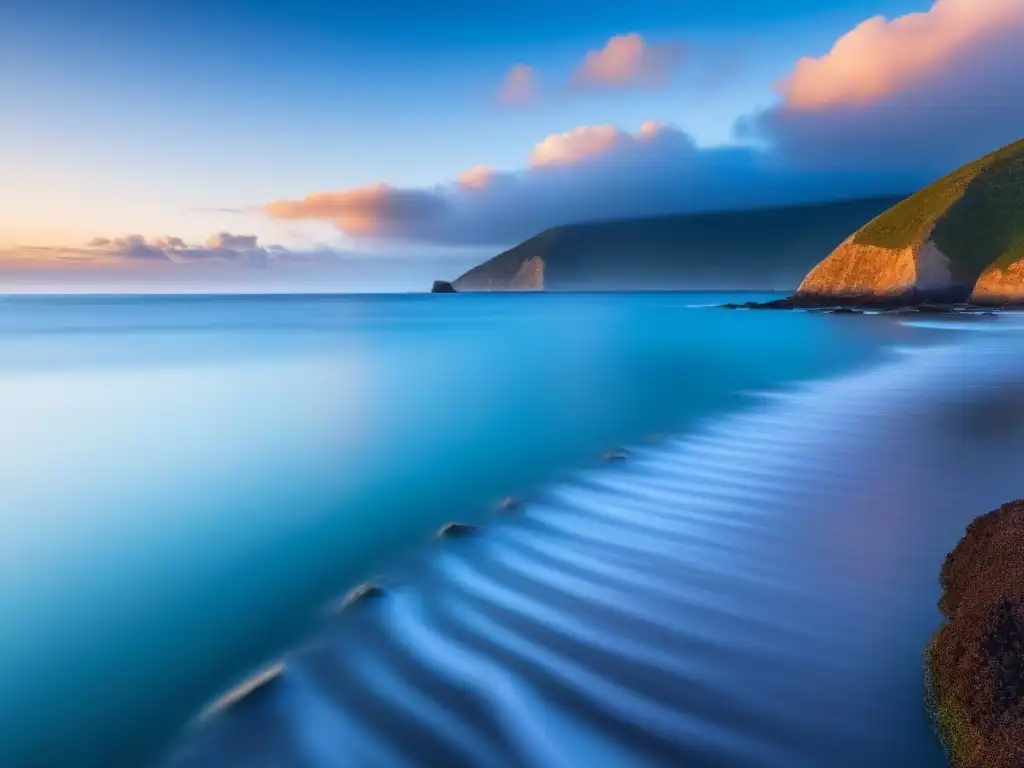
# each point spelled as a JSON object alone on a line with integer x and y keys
{"x": 975, "y": 662}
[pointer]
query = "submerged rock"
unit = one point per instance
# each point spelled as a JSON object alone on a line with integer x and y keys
{"x": 616, "y": 454}
{"x": 368, "y": 590}
{"x": 455, "y": 529}
{"x": 258, "y": 683}
{"x": 975, "y": 662}
{"x": 508, "y": 504}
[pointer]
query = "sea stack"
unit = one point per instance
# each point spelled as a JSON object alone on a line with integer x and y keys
{"x": 959, "y": 239}
{"x": 442, "y": 286}
{"x": 975, "y": 662}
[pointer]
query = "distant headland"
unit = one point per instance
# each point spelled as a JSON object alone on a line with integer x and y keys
{"x": 762, "y": 248}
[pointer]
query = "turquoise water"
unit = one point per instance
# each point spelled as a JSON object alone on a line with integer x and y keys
{"x": 189, "y": 481}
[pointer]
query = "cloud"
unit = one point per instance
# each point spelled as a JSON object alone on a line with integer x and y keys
{"x": 595, "y": 141}
{"x": 520, "y": 86}
{"x": 127, "y": 249}
{"x": 628, "y": 61}
{"x": 926, "y": 91}
{"x": 477, "y": 177}
{"x": 224, "y": 241}
{"x": 590, "y": 172}
{"x": 880, "y": 57}
{"x": 362, "y": 211}
{"x": 891, "y": 106}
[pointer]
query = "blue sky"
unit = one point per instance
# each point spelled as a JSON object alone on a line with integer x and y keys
{"x": 152, "y": 117}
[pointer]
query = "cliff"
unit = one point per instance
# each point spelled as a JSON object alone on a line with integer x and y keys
{"x": 958, "y": 239}
{"x": 975, "y": 662}
{"x": 768, "y": 248}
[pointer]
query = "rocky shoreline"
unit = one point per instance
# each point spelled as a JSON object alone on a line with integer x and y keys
{"x": 974, "y": 665}
{"x": 854, "y": 305}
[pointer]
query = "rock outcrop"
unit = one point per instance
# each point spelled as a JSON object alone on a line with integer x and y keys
{"x": 960, "y": 239}
{"x": 529, "y": 276}
{"x": 1000, "y": 284}
{"x": 884, "y": 273}
{"x": 975, "y": 662}
{"x": 442, "y": 286}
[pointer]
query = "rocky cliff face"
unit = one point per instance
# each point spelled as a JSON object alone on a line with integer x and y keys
{"x": 529, "y": 276}
{"x": 959, "y": 239}
{"x": 874, "y": 272}
{"x": 1000, "y": 284}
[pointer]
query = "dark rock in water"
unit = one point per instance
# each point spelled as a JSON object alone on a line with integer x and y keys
{"x": 975, "y": 662}
{"x": 258, "y": 684}
{"x": 848, "y": 305}
{"x": 368, "y": 590}
{"x": 508, "y": 504}
{"x": 443, "y": 286}
{"x": 617, "y": 454}
{"x": 455, "y": 529}
{"x": 936, "y": 309}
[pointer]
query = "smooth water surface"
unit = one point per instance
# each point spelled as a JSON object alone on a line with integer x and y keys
{"x": 189, "y": 481}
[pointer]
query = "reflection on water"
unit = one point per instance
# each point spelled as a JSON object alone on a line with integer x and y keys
{"x": 188, "y": 482}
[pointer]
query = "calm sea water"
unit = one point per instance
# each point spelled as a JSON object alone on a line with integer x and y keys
{"x": 189, "y": 481}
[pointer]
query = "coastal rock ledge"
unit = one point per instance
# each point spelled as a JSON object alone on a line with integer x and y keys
{"x": 974, "y": 665}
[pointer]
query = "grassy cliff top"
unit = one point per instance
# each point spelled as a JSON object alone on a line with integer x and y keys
{"x": 975, "y": 214}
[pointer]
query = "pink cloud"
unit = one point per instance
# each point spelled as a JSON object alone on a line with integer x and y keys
{"x": 587, "y": 142}
{"x": 520, "y": 86}
{"x": 879, "y": 57}
{"x": 477, "y": 177}
{"x": 628, "y": 61}
{"x": 576, "y": 145}
{"x": 360, "y": 211}
{"x": 589, "y": 172}
{"x": 926, "y": 92}
{"x": 893, "y": 105}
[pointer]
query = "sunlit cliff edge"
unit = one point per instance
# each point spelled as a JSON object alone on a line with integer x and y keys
{"x": 959, "y": 239}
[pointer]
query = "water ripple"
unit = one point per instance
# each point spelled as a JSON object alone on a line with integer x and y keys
{"x": 736, "y": 596}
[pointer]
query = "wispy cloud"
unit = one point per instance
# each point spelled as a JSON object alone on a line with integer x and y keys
{"x": 362, "y": 211}
{"x": 520, "y": 86}
{"x": 628, "y": 61}
{"x": 137, "y": 250}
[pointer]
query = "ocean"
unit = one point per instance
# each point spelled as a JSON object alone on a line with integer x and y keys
{"x": 190, "y": 483}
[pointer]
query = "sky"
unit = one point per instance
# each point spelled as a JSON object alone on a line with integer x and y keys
{"x": 317, "y": 144}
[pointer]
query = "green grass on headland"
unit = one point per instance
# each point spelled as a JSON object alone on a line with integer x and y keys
{"x": 975, "y": 214}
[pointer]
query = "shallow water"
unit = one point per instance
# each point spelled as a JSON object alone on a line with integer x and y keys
{"x": 190, "y": 481}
